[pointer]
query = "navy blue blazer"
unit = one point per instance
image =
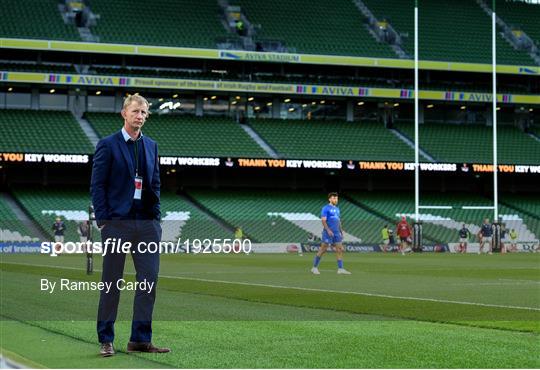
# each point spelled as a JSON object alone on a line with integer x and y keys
{"x": 113, "y": 173}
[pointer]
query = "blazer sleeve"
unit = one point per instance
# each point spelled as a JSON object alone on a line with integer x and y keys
{"x": 156, "y": 185}
{"x": 99, "y": 182}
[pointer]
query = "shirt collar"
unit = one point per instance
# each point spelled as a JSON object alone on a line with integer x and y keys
{"x": 127, "y": 137}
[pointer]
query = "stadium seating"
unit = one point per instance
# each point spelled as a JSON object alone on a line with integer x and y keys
{"x": 43, "y": 205}
{"x": 307, "y": 26}
{"x": 443, "y": 224}
{"x": 180, "y": 23}
{"x": 42, "y": 131}
{"x": 525, "y": 204}
{"x": 535, "y": 130}
{"x": 43, "y": 68}
{"x": 35, "y": 19}
{"x": 11, "y": 228}
{"x": 472, "y": 143}
{"x": 316, "y": 139}
{"x": 188, "y": 135}
{"x": 280, "y": 216}
{"x": 522, "y": 15}
{"x": 182, "y": 220}
{"x": 450, "y": 30}
{"x": 315, "y": 26}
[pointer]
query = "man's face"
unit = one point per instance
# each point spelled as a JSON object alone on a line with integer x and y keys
{"x": 333, "y": 200}
{"x": 135, "y": 115}
{"x": 486, "y": 221}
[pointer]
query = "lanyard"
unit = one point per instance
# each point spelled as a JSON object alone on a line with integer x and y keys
{"x": 136, "y": 145}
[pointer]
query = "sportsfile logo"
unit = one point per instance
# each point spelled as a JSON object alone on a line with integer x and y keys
{"x": 113, "y": 245}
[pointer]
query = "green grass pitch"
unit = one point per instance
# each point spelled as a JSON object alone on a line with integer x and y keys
{"x": 244, "y": 311}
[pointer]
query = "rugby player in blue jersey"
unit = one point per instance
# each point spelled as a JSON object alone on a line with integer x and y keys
{"x": 332, "y": 235}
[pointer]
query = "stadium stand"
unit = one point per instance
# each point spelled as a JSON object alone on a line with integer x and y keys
{"x": 32, "y": 67}
{"x": 35, "y": 19}
{"x": 183, "y": 220}
{"x": 472, "y": 143}
{"x": 11, "y": 228}
{"x": 280, "y": 216}
{"x": 180, "y": 218}
{"x": 43, "y": 205}
{"x": 522, "y": 15}
{"x": 181, "y": 23}
{"x": 187, "y": 135}
{"x": 442, "y": 224}
{"x": 535, "y": 130}
{"x": 526, "y": 204}
{"x": 336, "y": 29}
{"x": 453, "y": 30}
{"x": 42, "y": 131}
{"x": 315, "y": 27}
{"x": 332, "y": 140}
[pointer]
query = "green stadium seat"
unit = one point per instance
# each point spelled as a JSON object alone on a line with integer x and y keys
{"x": 188, "y": 135}
{"x": 472, "y": 143}
{"x": 279, "y": 216}
{"x": 521, "y": 15}
{"x": 443, "y": 224}
{"x": 450, "y": 30}
{"x": 42, "y": 131}
{"x": 182, "y": 220}
{"x": 11, "y": 228}
{"x": 35, "y": 19}
{"x": 180, "y": 23}
{"x": 337, "y": 140}
{"x": 315, "y": 27}
{"x": 43, "y": 205}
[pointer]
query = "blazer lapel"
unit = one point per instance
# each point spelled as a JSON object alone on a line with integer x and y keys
{"x": 125, "y": 154}
{"x": 150, "y": 160}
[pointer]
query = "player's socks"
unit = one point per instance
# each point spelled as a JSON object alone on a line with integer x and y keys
{"x": 316, "y": 261}
{"x": 340, "y": 264}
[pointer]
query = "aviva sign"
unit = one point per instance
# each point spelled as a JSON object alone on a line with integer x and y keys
{"x": 257, "y": 87}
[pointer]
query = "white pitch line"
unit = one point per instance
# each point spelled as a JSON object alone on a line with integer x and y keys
{"x": 492, "y": 284}
{"x": 306, "y": 289}
{"x": 528, "y": 281}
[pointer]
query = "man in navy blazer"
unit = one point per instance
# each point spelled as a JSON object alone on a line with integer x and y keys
{"x": 125, "y": 189}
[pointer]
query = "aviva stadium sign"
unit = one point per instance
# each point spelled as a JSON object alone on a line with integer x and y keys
{"x": 258, "y": 87}
{"x": 241, "y": 55}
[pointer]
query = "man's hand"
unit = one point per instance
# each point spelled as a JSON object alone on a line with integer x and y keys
{"x": 330, "y": 233}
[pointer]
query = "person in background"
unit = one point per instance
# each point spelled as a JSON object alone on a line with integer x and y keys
{"x": 59, "y": 228}
{"x": 332, "y": 235}
{"x": 238, "y": 238}
{"x": 513, "y": 240}
{"x": 385, "y": 235}
{"x": 404, "y": 233}
{"x": 485, "y": 236}
{"x": 504, "y": 238}
{"x": 84, "y": 232}
{"x": 240, "y": 29}
{"x": 464, "y": 235}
